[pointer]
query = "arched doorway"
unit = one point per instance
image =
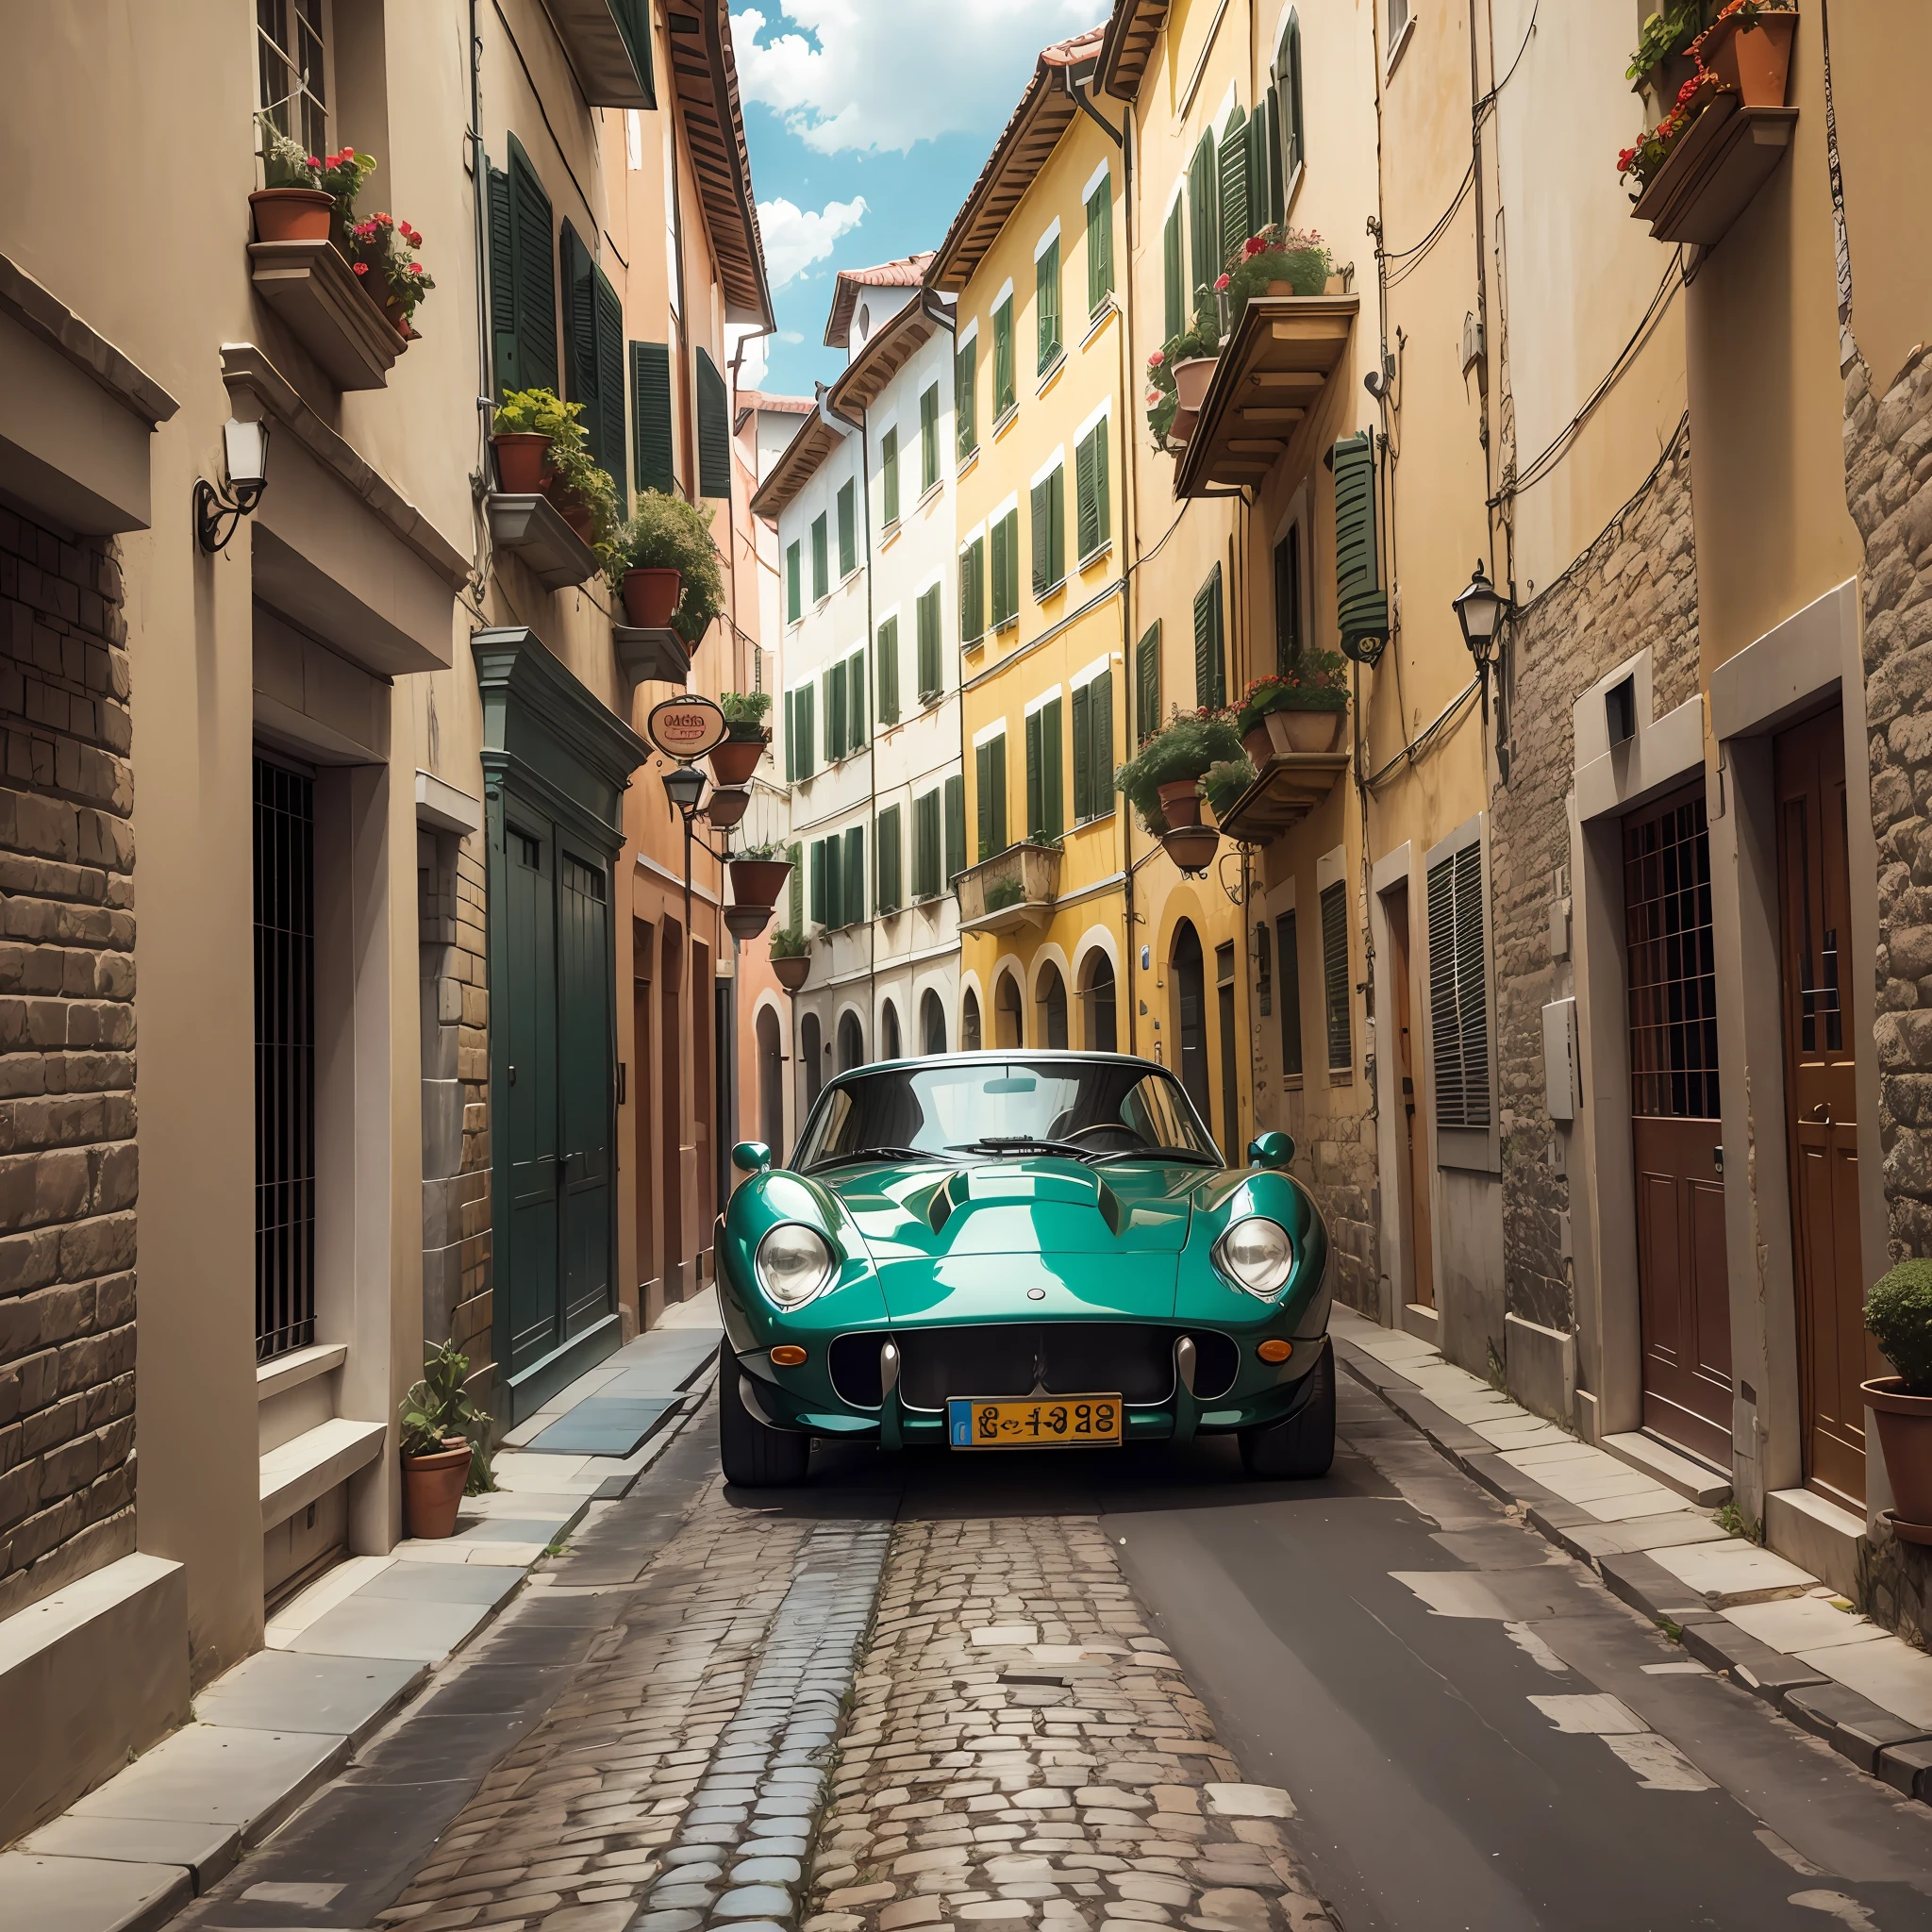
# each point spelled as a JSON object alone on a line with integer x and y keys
{"x": 771, "y": 1082}
{"x": 1190, "y": 1017}
{"x": 809, "y": 1057}
{"x": 969, "y": 1023}
{"x": 889, "y": 1033}
{"x": 851, "y": 1043}
{"x": 1009, "y": 1029}
{"x": 932, "y": 1022}
{"x": 1096, "y": 999}
{"x": 1053, "y": 1008}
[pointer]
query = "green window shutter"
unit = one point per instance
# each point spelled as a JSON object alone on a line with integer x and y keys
{"x": 1100, "y": 245}
{"x": 852, "y": 876}
{"x": 503, "y": 284}
{"x": 1002, "y": 391}
{"x": 791, "y": 737}
{"x": 1036, "y": 779}
{"x": 714, "y": 429}
{"x": 1288, "y": 79}
{"x": 820, "y": 559}
{"x": 807, "y": 729}
{"x": 955, "y": 827}
{"x": 795, "y": 589}
{"x": 1361, "y": 604}
{"x": 888, "y": 672}
{"x": 795, "y": 890}
{"x": 1040, "y": 505}
{"x": 973, "y": 590}
{"x": 999, "y": 793}
{"x": 633, "y": 19}
{"x": 925, "y": 857}
{"x": 982, "y": 786}
{"x": 931, "y": 678}
{"x": 929, "y": 439}
{"x": 610, "y": 386}
{"x": 1100, "y": 725}
{"x": 1288, "y": 600}
{"x": 1053, "y": 768}
{"x": 1056, "y": 522}
{"x": 889, "y": 860}
{"x": 1203, "y": 227}
{"x": 1090, "y": 490}
{"x": 1011, "y": 584}
{"x": 1083, "y": 753}
{"x": 889, "y": 477}
{"x": 1335, "y": 974}
{"x": 1289, "y": 965}
{"x": 848, "y": 531}
{"x": 650, "y": 429}
{"x": 580, "y": 333}
{"x": 1278, "y": 172}
{"x": 1458, "y": 996}
{"x": 835, "y": 712}
{"x": 1257, "y": 168}
{"x": 1210, "y": 675}
{"x": 835, "y": 883}
{"x": 1102, "y": 482}
{"x": 1046, "y": 303}
{"x": 1002, "y": 541}
{"x": 855, "y": 701}
{"x": 536, "y": 273}
{"x": 1174, "y": 271}
{"x": 1232, "y": 188}
{"x": 1147, "y": 683}
{"x": 965, "y": 399}
{"x": 821, "y": 901}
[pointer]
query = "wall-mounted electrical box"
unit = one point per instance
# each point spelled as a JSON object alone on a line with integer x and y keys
{"x": 1474, "y": 339}
{"x": 1562, "y": 1072}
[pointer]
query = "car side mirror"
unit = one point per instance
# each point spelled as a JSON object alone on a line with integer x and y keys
{"x": 1271, "y": 1150}
{"x": 751, "y": 1157}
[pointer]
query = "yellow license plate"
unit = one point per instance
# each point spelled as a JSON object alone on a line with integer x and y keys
{"x": 1058, "y": 1421}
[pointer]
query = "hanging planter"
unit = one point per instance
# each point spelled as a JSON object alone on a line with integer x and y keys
{"x": 650, "y": 596}
{"x": 1180, "y": 802}
{"x": 727, "y": 806}
{"x": 757, "y": 877}
{"x": 1749, "y": 48}
{"x": 735, "y": 759}
{"x": 1192, "y": 847}
{"x": 792, "y": 970}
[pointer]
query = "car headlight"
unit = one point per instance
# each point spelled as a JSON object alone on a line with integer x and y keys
{"x": 793, "y": 1263}
{"x": 1255, "y": 1255}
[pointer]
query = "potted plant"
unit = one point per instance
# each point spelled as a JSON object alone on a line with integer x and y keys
{"x": 1276, "y": 260}
{"x": 1663, "y": 61}
{"x": 1178, "y": 373}
{"x": 1748, "y": 46}
{"x": 1162, "y": 781}
{"x": 791, "y": 959}
{"x": 583, "y": 492}
{"x": 304, "y": 197}
{"x": 1898, "y": 1311}
{"x": 525, "y": 423}
{"x": 440, "y": 1425}
{"x": 1300, "y": 710}
{"x": 1225, "y": 782}
{"x": 1642, "y": 162}
{"x": 665, "y": 566}
{"x": 1192, "y": 847}
{"x": 758, "y": 874}
{"x": 382, "y": 251}
{"x": 737, "y": 758}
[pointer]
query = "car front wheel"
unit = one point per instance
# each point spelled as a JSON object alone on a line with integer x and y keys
{"x": 752, "y": 1451}
{"x": 1302, "y": 1445}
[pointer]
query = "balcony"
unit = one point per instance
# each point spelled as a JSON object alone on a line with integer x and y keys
{"x": 1713, "y": 173}
{"x": 1270, "y": 374}
{"x": 314, "y": 291}
{"x": 651, "y": 654}
{"x": 533, "y": 528}
{"x": 1013, "y": 888}
{"x": 1286, "y": 789}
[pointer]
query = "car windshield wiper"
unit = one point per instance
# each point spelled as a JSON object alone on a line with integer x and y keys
{"x": 858, "y": 1153}
{"x": 1020, "y": 1144}
{"x": 1189, "y": 1154}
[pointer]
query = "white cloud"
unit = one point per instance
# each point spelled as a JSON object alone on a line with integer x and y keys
{"x": 887, "y": 74}
{"x": 797, "y": 237}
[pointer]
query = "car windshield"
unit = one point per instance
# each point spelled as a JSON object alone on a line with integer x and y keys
{"x": 1098, "y": 1109}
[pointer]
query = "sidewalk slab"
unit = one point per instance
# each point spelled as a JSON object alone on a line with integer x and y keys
{"x": 1734, "y": 1571}
{"x": 88, "y": 1894}
{"x": 213, "y": 1774}
{"x": 427, "y": 1631}
{"x": 205, "y": 1852}
{"x": 283, "y": 1691}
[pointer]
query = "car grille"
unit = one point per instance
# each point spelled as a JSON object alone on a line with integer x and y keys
{"x": 1013, "y": 1359}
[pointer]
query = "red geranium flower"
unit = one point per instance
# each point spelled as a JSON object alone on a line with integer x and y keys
{"x": 1222, "y": 283}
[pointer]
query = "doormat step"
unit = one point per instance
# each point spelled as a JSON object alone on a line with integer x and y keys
{"x": 606, "y": 1426}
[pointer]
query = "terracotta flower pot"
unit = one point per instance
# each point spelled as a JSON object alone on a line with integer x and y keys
{"x": 727, "y": 804}
{"x": 577, "y": 515}
{"x": 650, "y": 597}
{"x": 759, "y": 881}
{"x": 793, "y": 972}
{"x": 1303, "y": 730}
{"x": 1180, "y": 802}
{"x": 1336, "y": 285}
{"x": 734, "y": 761}
{"x": 520, "y": 454}
{"x": 292, "y": 214}
{"x": 433, "y": 1487}
{"x": 1752, "y": 61}
{"x": 1281, "y": 288}
{"x": 1258, "y": 744}
{"x": 1183, "y": 425}
{"x": 1905, "y": 1433}
{"x": 1192, "y": 847}
{"x": 1190, "y": 380}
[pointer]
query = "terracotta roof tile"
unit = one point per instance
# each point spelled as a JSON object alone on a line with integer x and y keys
{"x": 906, "y": 273}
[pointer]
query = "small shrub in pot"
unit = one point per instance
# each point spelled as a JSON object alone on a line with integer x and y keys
{"x": 1898, "y": 1313}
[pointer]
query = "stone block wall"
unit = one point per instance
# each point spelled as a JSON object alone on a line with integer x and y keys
{"x": 456, "y": 1277}
{"x": 1635, "y": 587}
{"x": 1339, "y": 1168}
{"x": 67, "y": 1148}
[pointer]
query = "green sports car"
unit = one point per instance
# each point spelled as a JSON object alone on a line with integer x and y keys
{"x": 986, "y": 1251}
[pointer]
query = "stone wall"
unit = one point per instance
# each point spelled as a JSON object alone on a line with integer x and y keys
{"x": 1635, "y": 587}
{"x": 67, "y": 1149}
{"x": 456, "y": 1300}
{"x": 1339, "y": 1168}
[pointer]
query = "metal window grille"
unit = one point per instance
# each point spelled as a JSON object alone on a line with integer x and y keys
{"x": 1459, "y": 990}
{"x": 288, "y": 47}
{"x": 1671, "y": 964}
{"x": 284, "y": 1060}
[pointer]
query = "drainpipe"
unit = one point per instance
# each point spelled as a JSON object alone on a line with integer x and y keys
{"x": 486, "y": 385}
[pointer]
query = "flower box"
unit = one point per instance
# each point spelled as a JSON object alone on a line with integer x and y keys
{"x": 1034, "y": 871}
{"x": 531, "y": 527}
{"x": 1714, "y": 172}
{"x": 651, "y": 654}
{"x": 316, "y": 294}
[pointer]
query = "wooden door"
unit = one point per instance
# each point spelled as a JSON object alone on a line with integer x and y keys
{"x": 671, "y": 1108}
{"x": 1416, "y": 1224}
{"x": 527, "y": 1274}
{"x": 1683, "y": 1279}
{"x": 1230, "y": 1053}
{"x": 1835, "y": 1354}
{"x": 586, "y": 1101}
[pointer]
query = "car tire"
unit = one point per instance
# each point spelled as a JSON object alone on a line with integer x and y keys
{"x": 752, "y": 1451}
{"x": 1302, "y": 1445}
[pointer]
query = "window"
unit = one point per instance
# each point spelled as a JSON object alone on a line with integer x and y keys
{"x": 1147, "y": 683}
{"x": 1093, "y": 748}
{"x": 932, "y": 1022}
{"x": 973, "y": 590}
{"x": 926, "y": 855}
{"x": 1002, "y": 391}
{"x": 928, "y": 438}
{"x": 1099, "y": 244}
{"x": 800, "y": 745}
{"x": 714, "y": 428}
{"x": 965, "y": 398}
{"x": 833, "y": 681}
{"x": 1172, "y": 275}
{"x": 889, "y": 477}
{"x": 1335, "y": 974}
{"x": 1289, "y": 995}
{"x": 1045, "y": 790}
{"x": 650, "y": 420}
{"x": 1210, "y": 655}
{"x": 1049, "y": 505}
{"x": 523, "y": 277}
{"x": 292, "y": 62}
{"x": 889, "y": 671}
{"x": 1287, "y": 128}
{"x": 931, "y": 678}
{"x": 1098, "y": 998}
{"x": 838, "y": 878}
{"x": 1202, "y": 226}
{"x": 889, "y": 860}
{"x": 1046, "y": 303}
{"x": 1361, "y": 602}
{"x": 1398, "y": 19}
{"x": 593, "y": 363}
{"x": 1288, "y": 600}
{"x": 1458, "y": 995}
{"x": 848, "y": 530}
{"x": 1092, "y": 493}
{"x": 990, "y": 780}
{"x": 820, "y": 559}
{"x": 1006, "y": 570}
{"x": 1233, "y": 183}
{"x": 794, "y": 593}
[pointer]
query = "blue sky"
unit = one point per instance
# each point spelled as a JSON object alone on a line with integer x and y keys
{"x": 855, "y": 156}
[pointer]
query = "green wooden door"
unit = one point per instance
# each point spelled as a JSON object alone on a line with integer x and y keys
{"x": 526, "y": 1273}
{"x": 584, "y": 1096}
